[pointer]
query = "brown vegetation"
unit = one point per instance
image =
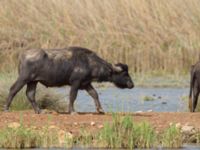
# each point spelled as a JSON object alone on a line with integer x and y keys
{"x": 152, "y": 35}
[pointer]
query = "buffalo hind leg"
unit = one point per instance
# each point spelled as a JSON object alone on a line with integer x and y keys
{"x": 93, "y": 93}
{"x": 195, "y": 98}
{"x": 72, "y": 98}
{"x": 30, "y": 93}
{"x": 15, "y": 88}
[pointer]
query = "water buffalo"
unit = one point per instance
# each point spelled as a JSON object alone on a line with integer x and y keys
{"x": 74, "y": 66}
{"x": 194, "y": 86}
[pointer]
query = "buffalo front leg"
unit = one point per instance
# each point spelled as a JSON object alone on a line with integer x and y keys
{"x": 72, "y": 97}
{"x": 30, "y": 93}
{"x": 190, "y": 104}
{"x": 93, "y": 93}
{"x": 15, "y": 88}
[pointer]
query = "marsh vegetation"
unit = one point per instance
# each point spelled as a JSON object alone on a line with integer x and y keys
{"x": 150, "y": 36}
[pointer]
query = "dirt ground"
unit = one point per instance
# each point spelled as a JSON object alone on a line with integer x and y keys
{"x": 92, "y": 121}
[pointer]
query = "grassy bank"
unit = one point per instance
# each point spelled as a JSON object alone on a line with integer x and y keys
{"x": 123, "y": 132}
{"x": 149, "y": 36}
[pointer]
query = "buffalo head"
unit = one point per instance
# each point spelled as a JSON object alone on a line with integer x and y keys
{"x": 121, "y": 77}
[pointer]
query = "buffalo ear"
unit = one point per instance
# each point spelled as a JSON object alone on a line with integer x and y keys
{"x": 117, "y": 68}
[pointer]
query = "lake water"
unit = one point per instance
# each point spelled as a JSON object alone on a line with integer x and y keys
{"x": 126, "y": 100}
{"x": 185, "y": 147}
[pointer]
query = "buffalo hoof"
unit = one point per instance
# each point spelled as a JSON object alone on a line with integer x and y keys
{"x": 190, "y": 105}
{"x": 73, "y": 113}
{"x": 39, "y": 111}
{"x": 100, "y": 111}
{"x": 5, "y": 110}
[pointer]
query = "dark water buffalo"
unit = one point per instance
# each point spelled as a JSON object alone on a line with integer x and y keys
{"x": 194, "y": 86}
{"x": 74, "y": 66}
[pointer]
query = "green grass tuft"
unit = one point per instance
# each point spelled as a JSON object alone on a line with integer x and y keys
{"x": 148, "y": 98}
{"x": 172, "y": 137}
{"x": 123, "y": 133}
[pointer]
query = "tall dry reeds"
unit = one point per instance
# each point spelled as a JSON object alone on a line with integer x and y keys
{"x": 149, "y": 35}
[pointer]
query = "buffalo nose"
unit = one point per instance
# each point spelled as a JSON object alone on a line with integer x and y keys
{"x": 130, "y": 85}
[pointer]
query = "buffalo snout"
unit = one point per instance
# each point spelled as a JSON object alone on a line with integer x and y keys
{"x": 130, "y": 84}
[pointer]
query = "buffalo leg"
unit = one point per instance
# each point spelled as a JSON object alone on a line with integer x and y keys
{"x": 93, "y": 93}
{"x": 15, "y": 88}
{"x": 30, "y": 93}
{"x": 190, "y": 104}
{"x": 195, "y": 97}
{"x": 72, "y": 98}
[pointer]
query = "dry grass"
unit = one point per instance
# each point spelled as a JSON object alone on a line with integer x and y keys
{"x": 148, "y": 35}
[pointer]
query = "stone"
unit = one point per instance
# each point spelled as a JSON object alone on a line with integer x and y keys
{"x": 178, "y": 125}
{"x": 75, "y": 123}
{"x": 92, "y": 123}
{"x": 139, "y": 111}
{"x": 171, "y": 123}
{"x": 53, "y": 127}
{"x": 188, "y": 129}
{"x": 150, "y": 110}
{"x": 100, "y": 126}
{"x": 164, "y": 102}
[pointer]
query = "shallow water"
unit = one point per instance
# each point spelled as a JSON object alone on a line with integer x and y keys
{"x": 126, "y": 100}
{"x": 185, "y": 147}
